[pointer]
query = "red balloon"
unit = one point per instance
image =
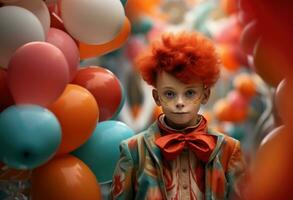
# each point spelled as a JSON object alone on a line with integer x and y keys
{"x": 269, "y": 62}
{"x": 37, "y": 73}
{"x": 69, "y": 48}
{"x": 249, "y": 37}
{"x": 5, "y": 95}
{"x": 104, "y": 86}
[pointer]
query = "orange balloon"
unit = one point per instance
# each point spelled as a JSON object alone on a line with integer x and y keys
{"x": 245, "y": 85}
{"x": 229, "y": 6}
{"x": 225, "y": 111}
{"x": 157, "y": 111}
{"x": 222, "y": 110}
{"x": 78, "y": 113}
{"x": 138, "y": 8}
{"x": 88, "y": 51}
{"x": 228, "y": 57}
{"x": 271, "y": 176}
{"x": 64, "y": 177}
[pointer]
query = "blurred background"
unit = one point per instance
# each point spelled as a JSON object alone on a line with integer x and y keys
{"x": 70, "y": 93}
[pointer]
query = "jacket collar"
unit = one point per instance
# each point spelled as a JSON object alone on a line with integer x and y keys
{"x": 153, "y": 132}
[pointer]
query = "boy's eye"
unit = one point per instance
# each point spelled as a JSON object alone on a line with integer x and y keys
{"x": 190, "y": 93}
{"x": 169, "y": 94}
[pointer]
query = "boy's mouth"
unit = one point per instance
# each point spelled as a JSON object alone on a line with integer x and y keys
{"x": 180, "y": 113}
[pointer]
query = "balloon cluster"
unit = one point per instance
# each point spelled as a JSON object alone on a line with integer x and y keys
{"x": 266, "y": 39}
{"x": 49, "y": 106}
{"x": 235, "y": 106}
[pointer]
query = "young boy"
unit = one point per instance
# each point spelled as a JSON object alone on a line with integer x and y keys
{"x": 178, "y": 157}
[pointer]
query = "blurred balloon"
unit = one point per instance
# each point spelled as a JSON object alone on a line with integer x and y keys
{"x": 271, "y": 178}
{"x": 87, "y": 51}
{"x": 229, "y": 6}
{"x": 142, "y": 26}
{"x": 222, "y": 110}
{"x": 64, "y": 177}
{"x": 123, "y": 2}
{"x": 67, "y": 45}
{"x": 136, "y": 9}
{"x": 237, "y": 100}
{"x": 104, "y": 86}
{"x": 175, "y": 11}
{"x": 37, "y": 73}
{"x": 227, "y": 57}
{"x": 5, "y": 95}
{"x": 284, "y": 98}
{"x": 268, "y": 63}
{"x": 236, "y": 131}
{"x": 21, "y": 28}
{"x": 229, "y": 32}
{"x": 29, "y": 136}
{"x": 271, "y": 135}
{"x": 156, "y": 113}
{"x": 244, "y": 83}
{"x": 249, "y": 36}
{"x": 93, "y": 22}
{"x": 78, "y": 113}
{"x": 134, "y": 47}
{"x": 230, "y": 111}
{"x": 103, "y": 146}
{"x": 38, "y": 8}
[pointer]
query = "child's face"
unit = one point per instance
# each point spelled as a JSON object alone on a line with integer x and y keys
{"x": 180, "y": 102}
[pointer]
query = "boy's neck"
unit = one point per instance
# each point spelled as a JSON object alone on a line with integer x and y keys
{"x": 181, "y": 128}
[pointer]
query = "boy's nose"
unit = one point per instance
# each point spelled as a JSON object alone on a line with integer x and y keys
{"x": 179, "y": 102}
{"x": 179, "y": 105}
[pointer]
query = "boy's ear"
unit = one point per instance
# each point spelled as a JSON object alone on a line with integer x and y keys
{"x": 156, "y": 97}
{"x": 206, "y": 95}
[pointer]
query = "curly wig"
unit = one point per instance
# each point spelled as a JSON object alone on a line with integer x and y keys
{"x": 189, "y": 56}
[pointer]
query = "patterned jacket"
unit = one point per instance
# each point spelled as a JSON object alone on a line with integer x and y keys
{"x": 139, "y": 174}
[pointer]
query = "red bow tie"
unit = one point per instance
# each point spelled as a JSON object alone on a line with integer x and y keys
{"x": 173, "y": 143}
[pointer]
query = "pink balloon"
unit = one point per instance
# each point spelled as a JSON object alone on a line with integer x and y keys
{"x": 237, "y": 100}
{"x": 67, "y": 45}
{"x": 37, "y": 73}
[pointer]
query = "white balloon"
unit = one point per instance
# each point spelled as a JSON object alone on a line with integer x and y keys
{"x": 37, "y": 7}
{"x": 93, "y": 21}
{"x": 18, "y": 26}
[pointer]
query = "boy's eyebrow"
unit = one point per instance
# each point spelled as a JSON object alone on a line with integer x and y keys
{"x": 168, "y": 87}
{"x": 198, "y": 86}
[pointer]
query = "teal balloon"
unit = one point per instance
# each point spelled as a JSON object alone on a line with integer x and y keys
{"x": 101, "y": 151}
{"x": 123, "y": 2}
{"x": 237, "y": 132}
{"x": 29, "y": 136}
{"x": 142, "y": 26}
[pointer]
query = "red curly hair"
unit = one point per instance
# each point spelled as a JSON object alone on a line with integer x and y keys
{"x": 189, "y": 56}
